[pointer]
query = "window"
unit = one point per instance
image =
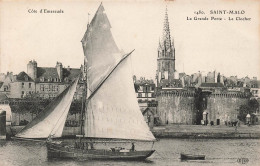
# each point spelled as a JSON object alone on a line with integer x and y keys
{"x": 148, "y": 88}
{"x": 50, "y": 88}
{"x": 145, "y": 89}
{"x": 152, "y": 87}
{"x": 42, "y": 79}
{"x": 22, "y": 94}
{"x": 5, "y": 88}
{"x": 46, "y": 88}
{"x": 141, "y": 88}
{"x": 146, "y": 94}
{"x": 153, "y": 94}
{"x": 26, "y": 78}
{"x": 22, "y": 84}
{"x": 30, "y": 85}
{"x": 139, "y": 94}
{"x": 42, "y": 87}
{"x": 54, "y": 88}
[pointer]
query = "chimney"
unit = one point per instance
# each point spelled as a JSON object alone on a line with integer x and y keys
{"x": 32, "y": 69}
{"x": 59, "y": 70}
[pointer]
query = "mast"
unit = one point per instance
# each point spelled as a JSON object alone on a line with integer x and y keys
{"x": 84, "y": 92}
{"x": 84, "y": 95}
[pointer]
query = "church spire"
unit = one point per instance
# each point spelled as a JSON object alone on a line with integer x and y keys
{"x": 166, "y": 38}
{"x": 166, "y": 54}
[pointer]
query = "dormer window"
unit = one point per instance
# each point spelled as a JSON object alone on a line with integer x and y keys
{"x": 5, "y": 88}
{"x": 26, "y": 78}
{"x": 42, "y": 79}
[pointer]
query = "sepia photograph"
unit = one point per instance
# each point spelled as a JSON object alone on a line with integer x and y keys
{"x": 119, "y": 82}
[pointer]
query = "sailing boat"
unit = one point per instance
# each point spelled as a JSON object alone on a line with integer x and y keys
{"x": 111, "y": 112}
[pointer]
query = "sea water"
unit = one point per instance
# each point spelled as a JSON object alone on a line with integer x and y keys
{"x": 217, "y": 152}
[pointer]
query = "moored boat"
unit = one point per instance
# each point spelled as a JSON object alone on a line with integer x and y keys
{"x": 57, "y": 150}
{"x": 192, "y": 157}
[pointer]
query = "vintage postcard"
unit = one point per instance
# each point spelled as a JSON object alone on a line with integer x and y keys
{"x": 144, "y": 82}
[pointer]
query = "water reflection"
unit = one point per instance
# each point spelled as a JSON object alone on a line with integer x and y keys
{"x": 3, "y": 143}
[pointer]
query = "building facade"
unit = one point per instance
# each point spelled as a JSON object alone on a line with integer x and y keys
{"x": 145, "y": 90}
{"x": 21, "y": 86}
{"x": 145, "y": 93}
{"x": 46, "y": 82}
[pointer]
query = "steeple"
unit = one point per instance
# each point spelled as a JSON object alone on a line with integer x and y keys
{"x": 166, "y": 54}
{"x": 166, "y": 38}
{"x": 166, "y": 46}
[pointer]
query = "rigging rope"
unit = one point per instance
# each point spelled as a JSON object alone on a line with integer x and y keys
{"x": 132, "y": 69}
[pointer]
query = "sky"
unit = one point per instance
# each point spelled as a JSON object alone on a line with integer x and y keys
{"x": 229, "y": 47}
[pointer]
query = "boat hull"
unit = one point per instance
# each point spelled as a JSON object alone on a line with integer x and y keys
{"x": 192, "y": 157}
{"x": 58, "y": 151}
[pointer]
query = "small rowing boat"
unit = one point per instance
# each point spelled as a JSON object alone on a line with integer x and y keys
{"x": 192, "y": 157}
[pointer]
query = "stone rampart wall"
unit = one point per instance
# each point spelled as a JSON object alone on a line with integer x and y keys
{"x": 224, "y": 107}
{"x": 176, "y": 107}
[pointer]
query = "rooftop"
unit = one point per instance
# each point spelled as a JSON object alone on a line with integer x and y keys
{"x": 211, "y": 85}
{"x": 51, "y": 72}
{"x": 22, "y": 76}
{"x": 3, "y": 97}
{"x": 174, "y": 83}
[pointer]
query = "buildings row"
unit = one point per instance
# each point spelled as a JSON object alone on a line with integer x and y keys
{"x": 191, "y": 99}
{"x": 198, "y": 98}
{"x": 172, "y": 98}
{"x": 46, "y": 82}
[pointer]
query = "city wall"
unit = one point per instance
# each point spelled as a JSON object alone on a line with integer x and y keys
{"x": 176, "y": 107}
{"x": 224, "y": 107}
